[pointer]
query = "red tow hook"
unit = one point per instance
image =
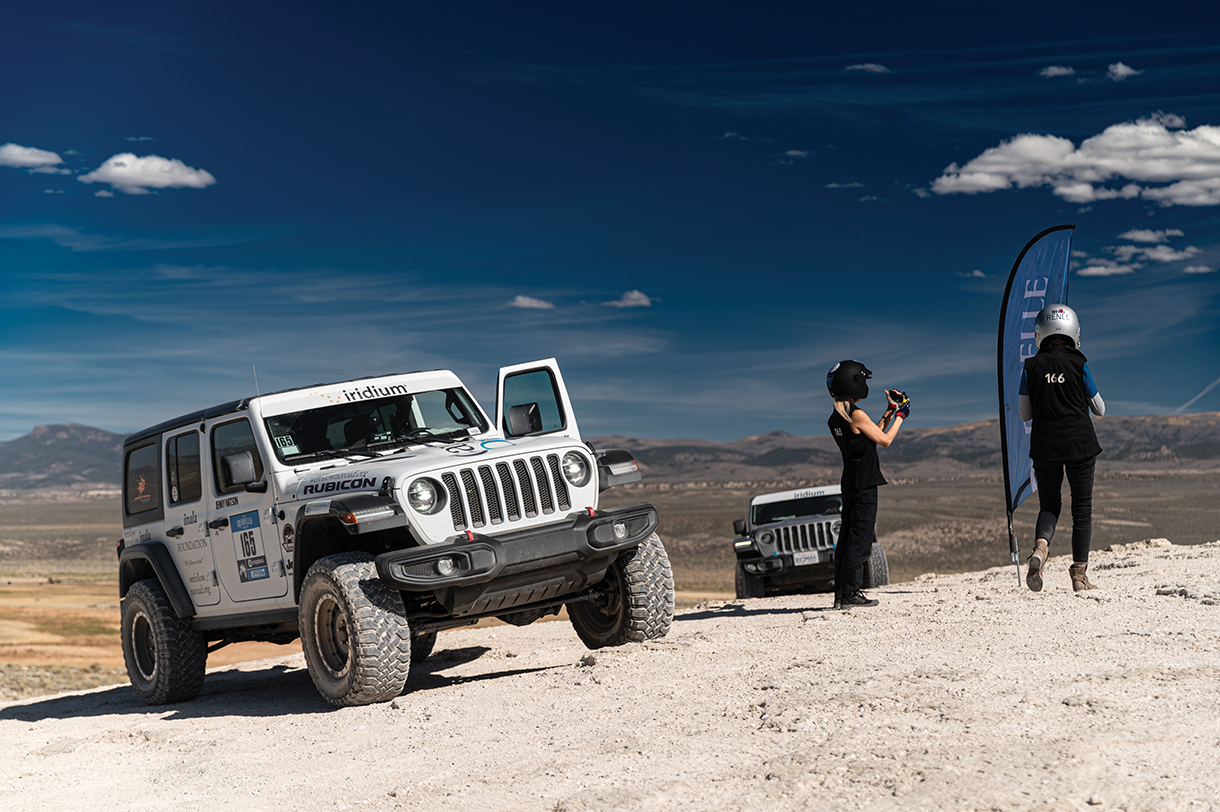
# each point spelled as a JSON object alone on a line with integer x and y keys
{"x": 592, "y": 512}
{"x": 469, "y": 536}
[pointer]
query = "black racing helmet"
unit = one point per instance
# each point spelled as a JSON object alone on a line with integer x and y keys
{"x": 848, "y": 379}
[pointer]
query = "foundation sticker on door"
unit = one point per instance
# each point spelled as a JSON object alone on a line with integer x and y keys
{"x": 248, "y": 543}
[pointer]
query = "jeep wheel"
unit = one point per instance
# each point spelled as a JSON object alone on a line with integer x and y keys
{"x": 421, "y": 646}
{"x": 639, "y": 600}
{"x": 877, "y": 570}
{"x": 748, "y": 586}
{"x": 354, "y": 631}
{"x": 165, "y": 658}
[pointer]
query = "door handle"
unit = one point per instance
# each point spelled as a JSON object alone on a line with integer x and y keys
{"x": 216, "y": 524}
{"x": 174, "y": 531}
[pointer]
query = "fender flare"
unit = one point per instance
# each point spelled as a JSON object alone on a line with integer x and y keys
{"x": 162, "y": 563}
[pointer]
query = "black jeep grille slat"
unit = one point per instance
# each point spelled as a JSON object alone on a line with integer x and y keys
{"x": 544, "y": 490}
{"x": 561, "y": 484}
{"x": 510, "y": 492}
{"x": 455, "y": 501}
{"x": 493, "y": 496}
{"x": 473, "y": 502}
{"x": 527, "y": 489}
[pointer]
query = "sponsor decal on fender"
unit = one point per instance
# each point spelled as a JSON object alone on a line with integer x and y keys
{"x": 334, "y": 486}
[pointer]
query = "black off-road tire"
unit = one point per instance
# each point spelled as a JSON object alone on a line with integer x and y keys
{"x": 165, "y": 658}
{"x": 748, "y": 586}
{"x": 877, "y": 570}
{"x": 421, "y": 646}
{"x": 640, "y": 605}
{"x": 354, "y": 631}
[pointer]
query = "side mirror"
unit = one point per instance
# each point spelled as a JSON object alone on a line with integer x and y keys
{"x": 739, "y": 526}
{"x": 524, "y": 419}
{"x": 238, "y": 469}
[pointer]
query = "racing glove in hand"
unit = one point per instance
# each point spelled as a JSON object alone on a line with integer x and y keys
{"x": 899, "y": 402}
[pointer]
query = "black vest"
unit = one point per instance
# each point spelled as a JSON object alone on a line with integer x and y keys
{"x": 1062, "y": 430}
{"x": 861, "y": 468}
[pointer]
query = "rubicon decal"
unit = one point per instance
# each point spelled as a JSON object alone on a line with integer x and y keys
{"x": 339, "y": 485}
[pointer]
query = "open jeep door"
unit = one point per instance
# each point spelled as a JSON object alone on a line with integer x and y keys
{"x": 531, "y": 399}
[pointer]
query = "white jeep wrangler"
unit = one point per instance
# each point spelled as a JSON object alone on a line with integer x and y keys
{"x": 365, "y": 516}
{"x": 787, "y": 544}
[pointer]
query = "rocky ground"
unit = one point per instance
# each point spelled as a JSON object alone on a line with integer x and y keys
{"x": 957, "y": 692}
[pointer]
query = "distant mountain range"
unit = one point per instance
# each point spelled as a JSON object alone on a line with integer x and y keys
{"x": 81, "y": 457}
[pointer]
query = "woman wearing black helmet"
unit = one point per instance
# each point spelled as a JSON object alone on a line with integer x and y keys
{"x": 858, "y": 437}
{"x": 1057, "y": 393}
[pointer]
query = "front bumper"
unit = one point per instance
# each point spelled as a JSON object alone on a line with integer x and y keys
{"x": 478, "y": 574}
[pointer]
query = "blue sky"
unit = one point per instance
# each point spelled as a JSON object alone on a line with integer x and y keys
{"x": 697, "y": 208}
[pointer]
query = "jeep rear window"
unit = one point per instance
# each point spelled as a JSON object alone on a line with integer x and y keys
{"x": 182, "y": 468}
{"x": 378, "y": 422}
{"x": 796, "y": 508}
{"x": 142, "y": 482}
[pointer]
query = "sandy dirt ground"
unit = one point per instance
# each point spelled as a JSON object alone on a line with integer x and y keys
{"x": 958, "y": 692}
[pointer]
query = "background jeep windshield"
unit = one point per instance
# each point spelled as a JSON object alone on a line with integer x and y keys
{"x": 356, "y": 426}
{"x": 797, "y": 508}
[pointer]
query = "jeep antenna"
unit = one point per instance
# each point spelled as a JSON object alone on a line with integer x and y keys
{"x": 275, "y": 491}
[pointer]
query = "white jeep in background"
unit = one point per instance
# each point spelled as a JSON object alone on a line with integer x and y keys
{"x": 786, "y": 544}
{"x": 364, "y": 517}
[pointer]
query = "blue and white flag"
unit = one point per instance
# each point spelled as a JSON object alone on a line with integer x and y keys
{"x": 1039, "y": 278}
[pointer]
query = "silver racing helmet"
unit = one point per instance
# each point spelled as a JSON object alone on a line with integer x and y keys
{"x": 1057, "y": 320}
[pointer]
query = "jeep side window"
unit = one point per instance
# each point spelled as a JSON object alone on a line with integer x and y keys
{"x": 182, "y": 468}
{"x": 535, "y": 386}
{"x": 142, "y": 483}
{"x": 233, "y": 438}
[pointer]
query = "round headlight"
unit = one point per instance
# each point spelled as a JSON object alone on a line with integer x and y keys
{"x": 575, "y": 468}
{"x": 835, "y": 527}
{"x": 766, "y": 537}
{"x": 424, "y": 496}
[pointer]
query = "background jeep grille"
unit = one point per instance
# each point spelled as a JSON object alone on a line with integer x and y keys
{"x": 796, "y": 538}
{"x": 490, "y": 496}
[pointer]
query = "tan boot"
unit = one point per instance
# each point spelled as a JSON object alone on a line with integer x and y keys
{"x": 1037, "y": 560}
{"x": 1080, "y": 580}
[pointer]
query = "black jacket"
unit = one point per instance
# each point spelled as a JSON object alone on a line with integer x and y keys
{"x": 861, "y": 468}
{"x": 1062, "y": 430}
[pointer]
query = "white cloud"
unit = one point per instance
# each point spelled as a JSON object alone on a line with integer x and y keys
{"x": 797, "y": 153}
{"x": 103, "y": 193}
{"x": 530, "y": 303}
{"x": 53, "y": 191}
{"x": 852, "y": 185}
{"x": 738, "y": 136}
{"x": 1150, "y": 235}
{"x": 1118, "y": 71}
{"x": 31, "y": 158}
{"x": 632, "y": 298}
{"x": 868, "y": 199}
{"x": 1153, "y": 150}
{"x": 137, "y": 138}
{"x": 1107, "y": 267}
{"x": 1078, "y": 254}
{"x": 921, "y": 192}
{"x": 975, "y": 274}
{"x": 1198, "y": 269}
{"x": 869, "y": 67}
{"x": 1057, "y": 70}
{"x": 1157, "y": 253}
{"x": 135, "y": 176}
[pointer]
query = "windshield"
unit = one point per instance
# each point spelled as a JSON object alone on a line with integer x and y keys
{"x": 362, "y": 427}
{"x": 796, "y": 508}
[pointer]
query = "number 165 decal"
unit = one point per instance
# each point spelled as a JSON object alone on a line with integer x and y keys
{"x": 248, "y": 544}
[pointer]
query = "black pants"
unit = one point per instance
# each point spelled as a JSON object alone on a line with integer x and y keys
{"x": 1050, "y": 501}
{"x": 856, "y": 537}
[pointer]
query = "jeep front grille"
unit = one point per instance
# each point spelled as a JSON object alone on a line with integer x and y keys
{"x": 797, "y": 538}
{"x": 506, "y": 493}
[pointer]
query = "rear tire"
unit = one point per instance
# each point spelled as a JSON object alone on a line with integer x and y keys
{"x": 748, "y": 586}
{"x": 165, "y": 658}
{"x": 877, "y": 570}
{"x": 640, "y": 600}
{"x": 354, "y": 631}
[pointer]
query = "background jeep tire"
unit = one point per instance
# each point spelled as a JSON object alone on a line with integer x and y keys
{"x": 165, "y": 658}
{"x": 641, "y": 600}
{"x": 421, "y": 646}
{"x": 877, "y": 570}
{"x": 354, "y": 631}
{"x": 748, "y": 586}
